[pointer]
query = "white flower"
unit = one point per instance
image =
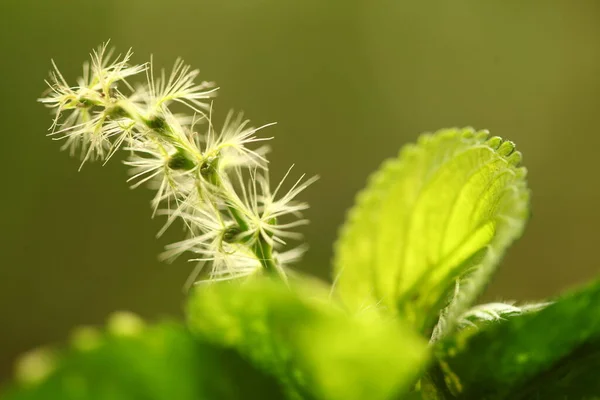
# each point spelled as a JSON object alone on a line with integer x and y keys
{"x": 229, "y": 145}
{"x": 179, "y": 87}
{"x": 150, "y": 162}
{"x": 265, "y": 211}
{"x": 105, "y": 71}
{"x": 213, "y": 241}
{"x": 233, "y": 140}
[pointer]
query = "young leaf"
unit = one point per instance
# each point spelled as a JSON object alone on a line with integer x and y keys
{"x": 444, "y": 210}
{"x": 550, "y": 354}
{"x": 131, "y": 361}
{"x": 484, "y": 314}
{"x": 315, "y": 349}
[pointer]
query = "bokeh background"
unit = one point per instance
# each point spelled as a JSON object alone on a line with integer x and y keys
{"x": 349, "y": 82}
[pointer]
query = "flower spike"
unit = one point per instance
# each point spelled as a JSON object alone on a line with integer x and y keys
{"x": 213, "y": 180}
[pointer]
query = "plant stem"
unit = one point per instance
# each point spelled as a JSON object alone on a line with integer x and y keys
{"x": 264, "y": 251}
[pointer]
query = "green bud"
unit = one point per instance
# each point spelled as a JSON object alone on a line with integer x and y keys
{"x": 158, "y": 124}
{"x": 180, "y": 161}
{"x": 116, "y": 112}
{"x": 209, "y": 169}
{"x": 230, "y": 235}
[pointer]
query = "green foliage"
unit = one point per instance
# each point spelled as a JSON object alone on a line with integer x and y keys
{"x": 444, "y": 210}
{"x": 550, "y": 354}
{"x": 130, "y": 361}
{"x": 314, "y": 347}
{"x": 417, "y": 249}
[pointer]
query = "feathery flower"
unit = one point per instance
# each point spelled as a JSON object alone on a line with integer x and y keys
{"x": 180, "y": 87}
{"x": 198, "y": 174}
{"x": 264, "y": 210}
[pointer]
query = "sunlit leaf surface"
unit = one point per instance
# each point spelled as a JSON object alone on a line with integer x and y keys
{"x": 444, "y": 210}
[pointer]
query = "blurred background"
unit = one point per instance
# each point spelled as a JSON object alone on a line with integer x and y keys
{"x": 349, "y": 82}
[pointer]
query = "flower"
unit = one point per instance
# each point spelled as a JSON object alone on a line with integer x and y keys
{"x": 265, "y": 211}
{"x": 198, "y": 172}
{"x": 180, "y": 87}
{"x": 232, "y": 143}
{"x": 213, "y": 239}
{"x": 94, "y": 105}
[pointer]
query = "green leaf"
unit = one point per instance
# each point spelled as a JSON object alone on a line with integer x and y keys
{"x": 132, "y": 361}
{"x": 314, "y": 348}
{"x": 444, "y": 210}
{"x": 550, "y": 354}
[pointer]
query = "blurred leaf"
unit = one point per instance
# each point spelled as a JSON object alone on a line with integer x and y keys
{"x": 315, "y": 349}
{"x": 550, "y": 354}
{"x": 446, "y": 208}
{"x": 136, "y": 362}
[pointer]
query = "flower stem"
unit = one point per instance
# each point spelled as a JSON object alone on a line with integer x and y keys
{"x": 264, "y": 251}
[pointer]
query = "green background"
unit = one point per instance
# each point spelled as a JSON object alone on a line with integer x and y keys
{"x": 349, "y": 82}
